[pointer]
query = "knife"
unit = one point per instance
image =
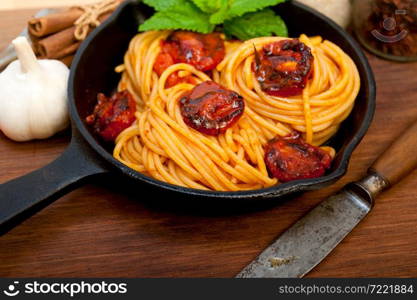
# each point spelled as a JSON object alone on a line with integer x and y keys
{"x": 304, "y": 245}
{"x": 8, "y": 55}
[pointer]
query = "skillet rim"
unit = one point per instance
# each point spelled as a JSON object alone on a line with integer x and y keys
{"x": 270, "y": 192}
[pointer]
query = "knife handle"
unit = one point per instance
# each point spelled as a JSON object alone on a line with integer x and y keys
{"x": 400, "y": 159}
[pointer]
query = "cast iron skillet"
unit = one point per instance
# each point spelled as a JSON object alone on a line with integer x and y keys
{"x": 87, "y": 156}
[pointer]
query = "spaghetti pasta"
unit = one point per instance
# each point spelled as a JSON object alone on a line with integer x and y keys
{"x": 161, "y": 145}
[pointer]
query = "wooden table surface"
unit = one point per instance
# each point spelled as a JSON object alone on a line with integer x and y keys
{"x": 99, "y": 230}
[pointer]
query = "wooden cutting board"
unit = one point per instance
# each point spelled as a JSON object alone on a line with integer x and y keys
{"x": 103, "y": 230}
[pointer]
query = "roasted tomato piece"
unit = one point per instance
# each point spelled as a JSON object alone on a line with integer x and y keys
{"x": 283, "y": 68}
{"x": 203, "y": 51}
{"x": 162, "y": 62}
{"x": 291, "y": 158}
{"x": 112, "y": 115}
{"x": 211, "y": 108}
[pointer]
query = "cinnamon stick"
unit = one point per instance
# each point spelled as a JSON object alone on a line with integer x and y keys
{"x": 61, "y": 44}
{"x": 40, "y": 27}
{"x": 35, "y": 43}
{"x": 67, "y": 59}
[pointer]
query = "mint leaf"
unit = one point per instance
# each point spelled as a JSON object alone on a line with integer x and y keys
{"x": 219, "y": 16}
{"x": 251, "y": 25}
{"x": 162, "y": 5}
{"x": 240, "y": 7}
{"x": 243, "y": 18}
{"x": 208, "y": 6}
{"x": 219, "y": 9}
{"x": 184, "y": 17}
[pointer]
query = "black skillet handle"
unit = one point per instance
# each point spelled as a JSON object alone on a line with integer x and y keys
{"x": 22, "y": 197}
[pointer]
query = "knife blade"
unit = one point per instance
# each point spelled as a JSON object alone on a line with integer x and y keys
{"x": 305, "y": 244}
{"x": 8, "y": 54}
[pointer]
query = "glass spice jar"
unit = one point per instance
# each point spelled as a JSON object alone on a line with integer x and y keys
{"x": 387, "y": 28}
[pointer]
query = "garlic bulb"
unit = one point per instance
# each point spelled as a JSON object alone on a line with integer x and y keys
{"x": 337, "y": 10}
{"x": 33, "y": 97}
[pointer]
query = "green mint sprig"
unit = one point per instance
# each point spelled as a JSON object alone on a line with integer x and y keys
{"x": 250, "y": 25}
{"x": 243, "y": 19}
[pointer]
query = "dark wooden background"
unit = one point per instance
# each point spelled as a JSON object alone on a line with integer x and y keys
{"x": 98, "y": 230}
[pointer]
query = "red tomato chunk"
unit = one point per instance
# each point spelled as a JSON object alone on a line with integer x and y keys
{"x": 291, "y": 158}
{"x": 203, "y": 51}
{"x": 211, "y": 109}
{"x": 283, "y": 68}
{"x": 112, "y": 115}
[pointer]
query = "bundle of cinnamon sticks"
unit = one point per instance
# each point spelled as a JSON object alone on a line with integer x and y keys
{"x": 53, "y": 36}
